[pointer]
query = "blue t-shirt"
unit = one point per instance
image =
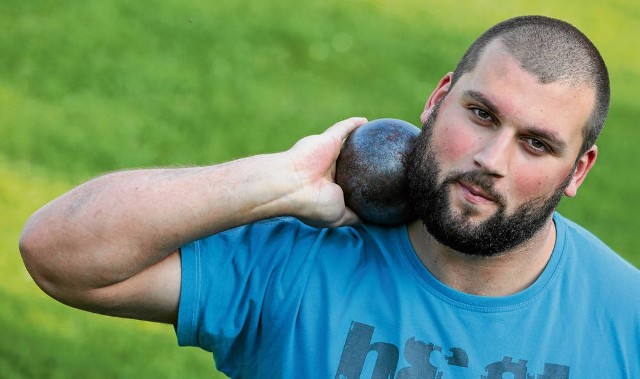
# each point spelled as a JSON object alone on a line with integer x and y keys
{"x": 280, "y": 299}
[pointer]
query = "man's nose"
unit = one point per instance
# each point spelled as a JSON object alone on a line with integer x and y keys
{"x": 495, "y": 153}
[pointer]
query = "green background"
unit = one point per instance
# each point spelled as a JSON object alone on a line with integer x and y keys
{"x": 93, "y": 86}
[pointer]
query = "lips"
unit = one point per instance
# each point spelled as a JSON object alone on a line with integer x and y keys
{"x": 475, "y": 194}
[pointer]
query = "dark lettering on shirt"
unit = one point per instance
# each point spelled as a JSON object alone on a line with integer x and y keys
{"x": 382, "y": 359}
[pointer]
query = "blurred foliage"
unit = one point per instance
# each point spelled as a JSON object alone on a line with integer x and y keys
{"x": 94, "y": 86}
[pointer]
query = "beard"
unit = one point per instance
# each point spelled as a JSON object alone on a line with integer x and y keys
{"x": 497, "y": 234}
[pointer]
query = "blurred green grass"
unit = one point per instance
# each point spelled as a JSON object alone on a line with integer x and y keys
{"x": 94, "y": 86}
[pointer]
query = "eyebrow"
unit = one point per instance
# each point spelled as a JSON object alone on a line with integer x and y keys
{"x": 551, "y": 138}
{"x": 479, "y": 97}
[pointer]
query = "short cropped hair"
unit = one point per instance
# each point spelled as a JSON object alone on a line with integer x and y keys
{"x": 552, "y": 50}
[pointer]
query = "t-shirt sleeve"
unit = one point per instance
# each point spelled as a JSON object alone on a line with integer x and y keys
{"x": 230, "y": 278}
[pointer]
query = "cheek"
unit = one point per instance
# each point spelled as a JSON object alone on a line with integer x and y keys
{"x": 531, "y": 186}
{"x": 455, "y": 146}
{"x": 537, "y": 182}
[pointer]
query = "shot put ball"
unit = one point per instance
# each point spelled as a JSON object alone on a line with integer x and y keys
{"x": 371, "y": 170}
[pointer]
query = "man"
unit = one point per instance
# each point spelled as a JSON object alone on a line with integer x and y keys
{"x": 490, "y": 281}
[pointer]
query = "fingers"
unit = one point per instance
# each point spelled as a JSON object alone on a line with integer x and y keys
{"x": 349, "y": 218}
{"x": 341, "y": 130}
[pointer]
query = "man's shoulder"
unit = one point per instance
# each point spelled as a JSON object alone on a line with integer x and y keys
{"x": 286, "y": 225}
{"x": 594, "y": 255}
{"x": 575, "y": 230}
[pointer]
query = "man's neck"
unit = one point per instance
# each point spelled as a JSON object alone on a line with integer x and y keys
{"x": 500, "y": 275}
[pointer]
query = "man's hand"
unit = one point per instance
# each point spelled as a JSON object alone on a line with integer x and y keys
{"x": 320, "y": 200}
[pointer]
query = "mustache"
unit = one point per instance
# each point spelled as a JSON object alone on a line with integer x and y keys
{"x": 479, "y": 179}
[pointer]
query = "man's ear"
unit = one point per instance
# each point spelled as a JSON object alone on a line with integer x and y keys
{"x": 582, "y": 169}
{"x": 438, "y": 93}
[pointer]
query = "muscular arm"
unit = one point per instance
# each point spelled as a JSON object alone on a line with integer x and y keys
{"x": 111, "y": 245}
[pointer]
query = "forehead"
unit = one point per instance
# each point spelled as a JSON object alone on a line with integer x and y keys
{"x": 561, "y": 107}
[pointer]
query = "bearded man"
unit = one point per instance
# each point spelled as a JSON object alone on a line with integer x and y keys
{"x": 259, "y": 260}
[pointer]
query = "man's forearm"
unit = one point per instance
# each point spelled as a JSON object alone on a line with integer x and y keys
{"x": 134, "y": 219}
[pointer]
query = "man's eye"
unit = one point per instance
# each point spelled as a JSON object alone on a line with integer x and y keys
{"x": 482, "y": 114}
{"x": 536, "y": 144}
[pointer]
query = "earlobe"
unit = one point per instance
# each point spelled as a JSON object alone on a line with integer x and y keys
{"x": 581, "y": 170}
{"x": 438, "y": 93}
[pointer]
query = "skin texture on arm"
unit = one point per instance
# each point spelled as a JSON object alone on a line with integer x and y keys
{"x": 111, "y": 245}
